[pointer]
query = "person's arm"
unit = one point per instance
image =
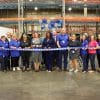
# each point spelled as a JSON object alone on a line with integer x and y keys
{"x": 43, "y": 43}
{"x": 11, "y": 45}
{"x": 58, "y": 44}
{"x": 22, "y": 45}
{"x": 1, "y": 46}
{"x": 97, "y": 46}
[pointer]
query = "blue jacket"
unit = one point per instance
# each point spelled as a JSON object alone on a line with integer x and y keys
{"x": 15, "y": 43}
{"x": 63, "y": 40}
{"x": 84, "y": 45}
{"x": 49, "y": 43}
{"x": 4, "y": 45}
{"x": 98, "y": 50}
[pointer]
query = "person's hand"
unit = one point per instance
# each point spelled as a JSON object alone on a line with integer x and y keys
{"x": 59, "y": 46}
{"x": 1, "y": 47}
{"x": 49, "y": 47}
{"x": 13, "y": 47}
{"x": 68, "y": 48}
{"x": 19, "y": 48}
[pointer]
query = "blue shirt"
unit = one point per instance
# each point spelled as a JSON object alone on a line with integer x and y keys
{"x": 63, "y": 40}
{"x": 98, "y": 50}
{"x": 84, "y": 45}
{"x": 4, "y": 45}
{"x": 15, "y": 43}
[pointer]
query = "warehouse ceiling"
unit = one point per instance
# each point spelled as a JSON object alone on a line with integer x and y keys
{"x": 50, "y": 1}
{"x": 34, "y": 1}
{"x": 13, "y": 4}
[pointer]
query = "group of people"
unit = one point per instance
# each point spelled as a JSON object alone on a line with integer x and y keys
{"x": 86, "y": 47}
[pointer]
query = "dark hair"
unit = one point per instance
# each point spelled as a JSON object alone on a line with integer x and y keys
{"x": 3, "y": 37}
{"x": 49, "y": 34}
{"x": 21, "y": 39}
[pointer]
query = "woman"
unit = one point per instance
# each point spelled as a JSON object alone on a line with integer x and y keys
{"x": 4, "y": 53}
{"x": 98, "y": 50}
{"x": 25, "y": 44}
{"x": 84, "y": 53}
{"x": 74, "y": 52}
{"x": 48, "y": 43}
{"x": 93, "y": 45}
{"x": 14, "y": 44}
{"x": 36, "y": 55}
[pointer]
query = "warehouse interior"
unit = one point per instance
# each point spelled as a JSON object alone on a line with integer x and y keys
{"x": 29, "y": 16}
{"x": 80, "y": 15}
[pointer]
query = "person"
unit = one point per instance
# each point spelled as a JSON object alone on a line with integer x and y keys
{"x": 84, "y": 53}
{"x": 88, "y": 39}
{"x": 25, "y": 44}
{"x": 14, "y": 44}
{"x": 98, "y": 50}
{"x": 62, "y": 42}
{"x": 74, "y": 52}
{"x": 48, "y": 43}
{"x": 8, "y": 38}
{"x": 93, "y": 45}
{"x": 56, "y": 53}
{"x": 36, "y": 55}
{"x": 4, "y": 53}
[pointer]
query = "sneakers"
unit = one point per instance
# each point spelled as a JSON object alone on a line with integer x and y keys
{"x": 14, "y": 69}
{"x": 49, "y": 71}
{"x": 18, "y": 68}
{"x": 71, "y": 70}
{"x": 76, "y": 70}
{"x": 84, "y": 71}
{"x": 91, "y": 71}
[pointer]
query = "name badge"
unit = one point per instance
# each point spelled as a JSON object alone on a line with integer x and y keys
{"x": 63, "y": 42}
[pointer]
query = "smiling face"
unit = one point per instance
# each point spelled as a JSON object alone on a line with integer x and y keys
{"x": 3, "y": 38}
{"x": 14, "y": 37}
{"x": 63, "y": 31}
{"x": 36, "y": 35}
{"x": 92, "y": 37}
{"x": 73, "y": 37}
{"x": 99, "y": 36}
{"x": 24, "y": 37}
{"x": 83, "y": 37}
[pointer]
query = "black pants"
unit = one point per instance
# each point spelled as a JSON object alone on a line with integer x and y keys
{"x": 14, "y": 62}
{"x": 85, "y": 64}
{"x": 49, "y": 60}
{"x": 63, "y": 55}
{"x": 98, "y": 58}
{"x": 25, "y": 59}
{"x": 6, "y": 63}
{"x": 2, "y": 63}
{"x": 56, "y": 58}
{"x": 92, "y": 61}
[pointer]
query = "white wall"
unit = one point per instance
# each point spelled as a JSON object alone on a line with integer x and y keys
{"x": 5, "y": 30}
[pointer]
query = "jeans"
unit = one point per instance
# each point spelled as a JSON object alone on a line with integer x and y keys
{"x": 92, "y": 61}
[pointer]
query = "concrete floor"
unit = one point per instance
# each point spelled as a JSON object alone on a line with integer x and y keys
{"x": 49, "y": 86}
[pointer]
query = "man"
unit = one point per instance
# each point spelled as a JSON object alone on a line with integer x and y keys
{"x": 9, "y": 37}
{"x": 56, "y": 53}
{"x": 62, "y": 42}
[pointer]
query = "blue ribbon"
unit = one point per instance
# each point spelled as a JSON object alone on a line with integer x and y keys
{"x": 45, "y": 49}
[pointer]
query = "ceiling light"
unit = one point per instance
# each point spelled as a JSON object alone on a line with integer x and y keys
{"x": 35, "y": 8}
